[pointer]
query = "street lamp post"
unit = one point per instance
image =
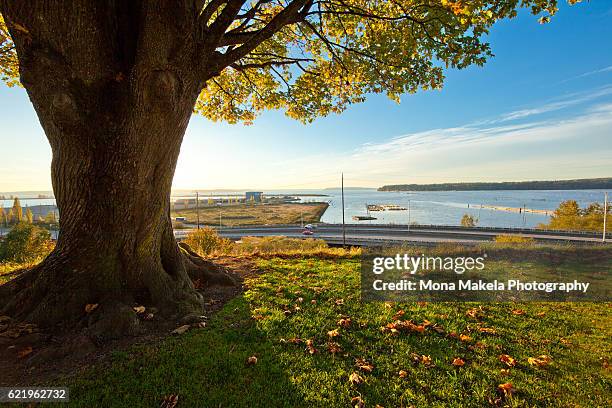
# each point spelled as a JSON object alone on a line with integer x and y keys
{"x": 343, "y": 225}
{"x": 605, "y": 216}
{"x": 198, "y": 208}
{"x": 409, "y": 216}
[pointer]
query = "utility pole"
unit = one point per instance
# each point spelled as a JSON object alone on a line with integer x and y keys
{"x": 198, "y": 208}
{"x": 605, "y": 215}
{"x": 409, "y": 217}
{"x": 343, "y": 225}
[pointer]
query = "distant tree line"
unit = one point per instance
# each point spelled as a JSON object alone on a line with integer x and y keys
{"x": 16, "y": 215}
{"x": 578, "y": 184}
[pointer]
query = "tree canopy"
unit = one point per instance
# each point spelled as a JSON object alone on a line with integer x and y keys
{"x": 315, "y": 57}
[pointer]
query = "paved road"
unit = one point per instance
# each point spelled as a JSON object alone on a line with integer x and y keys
{"x": 377, "y": 234}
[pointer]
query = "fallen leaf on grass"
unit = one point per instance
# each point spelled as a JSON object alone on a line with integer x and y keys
{"x": 487, "y": 330}
{"x": 182, "y": 329}
{"x": 169, "y": 401}
{"x": 355, "y": 378}
{"x": 506, "y": 388}
{"x": 344, "y": 322}
{"x": 508, "y": 360}
{"x": 339, "y": 302}
{"x": 458, "y": 362}
{"x": 403, "y": 373}
{"x": 139, "y": 309}
{"x": 505, "y": 371}
{"x": 364, "y": 365}
{"x": 251, "y": 360}
{"x": 333, "y": 333}
{"x": 464, "y": 337}
{"x": 542, "y": 314}
{"x": 518, "y": 312}
{"x": 24, "y": 352}
{"x": 426, "y": 360}
{"x": 398, "y": 314}
{"x": 539, "y": 361}
{"x": 334, "y": 348}
{"x": 310, "y": 348}
{"x": 90, "y": 307}
{"x": 357, "y": 402}
{"x": 475, "y": 313}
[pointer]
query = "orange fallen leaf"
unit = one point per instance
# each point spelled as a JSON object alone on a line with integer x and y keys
{"x": 518, "y": 312}
{"x": 310, "y": 348}
{"x": 426, "y": 360}
{"x": 474, "y": 313}
{"x": 506, "y": 388}
{"x": 487, "y": 330}
{"x": 403, "y": 373}
{"x": 333, "y": 333}
{"x": 458, "y": 362}
{"x": 464, "y": 337}
{"x": 398, "y": 314}
{"x": 364, "y": 365}
{"x": 344, "y": 322}
{"x": 357, "y": 402}
{"x": 539, "y": 361}
{"x": 334, "y": 348}
{"x": 169, "y": 401}
{"x": 355, "y": 378}
{"x": 508, "y": 360}
{"x": 90, "y": 307}
{"x": 25, "y": 352}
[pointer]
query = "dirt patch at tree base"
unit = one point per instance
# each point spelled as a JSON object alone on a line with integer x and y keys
{"x": 32, "y": 356}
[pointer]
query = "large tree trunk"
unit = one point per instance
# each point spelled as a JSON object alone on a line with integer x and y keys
{"x": 115, "y": 115}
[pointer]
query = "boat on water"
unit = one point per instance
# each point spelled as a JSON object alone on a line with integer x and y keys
{"x": 364, "y": 217}
{"x": 385, "y": 207}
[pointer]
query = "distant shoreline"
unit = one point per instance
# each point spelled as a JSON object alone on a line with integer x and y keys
{"x": 577, "y": 184}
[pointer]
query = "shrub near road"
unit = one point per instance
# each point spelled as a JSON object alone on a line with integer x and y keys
{"x": 316, "y": 345}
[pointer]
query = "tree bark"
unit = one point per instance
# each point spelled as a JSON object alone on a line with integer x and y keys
{"x": 114, "y": 111}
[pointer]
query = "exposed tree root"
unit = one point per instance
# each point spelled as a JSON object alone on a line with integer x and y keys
{"x": 55, "y": 295}
{"x": 200, "y": 269}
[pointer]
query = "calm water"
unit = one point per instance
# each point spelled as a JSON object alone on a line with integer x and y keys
{"x": 444, "y": 207}
{"x": 447, "y": 207}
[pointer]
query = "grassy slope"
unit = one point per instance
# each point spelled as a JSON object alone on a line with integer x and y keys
{"x": 249, "y": 214}
{"x": 206, "y": 367}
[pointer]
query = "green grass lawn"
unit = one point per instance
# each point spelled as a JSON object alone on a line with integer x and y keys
{"x": 297, "y": 300}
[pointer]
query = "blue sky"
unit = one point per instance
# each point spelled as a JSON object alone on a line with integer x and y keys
{"x": 540, "y": 109}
